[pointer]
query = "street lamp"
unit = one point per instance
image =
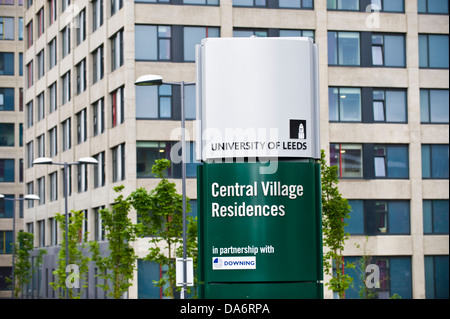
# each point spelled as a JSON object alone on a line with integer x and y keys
{"x": 26, "y": 197}
{"x": 49, "y": 161}
{"x": 149, "y": 80}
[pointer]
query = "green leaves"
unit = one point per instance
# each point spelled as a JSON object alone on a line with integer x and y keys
{"x": 160, "y": 213}
{"x": 335, "y": 210}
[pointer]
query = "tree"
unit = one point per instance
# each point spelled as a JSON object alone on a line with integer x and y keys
{"x": 77, "y": 262}
{"x": 118, "y": 267}
{"x": 22, "y": 265}
{"x": 160, "y": 214}
{"x": 335, "y": 210}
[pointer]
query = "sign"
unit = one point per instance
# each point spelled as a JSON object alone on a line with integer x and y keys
{"x": 257, "y": 97}
{"x": 257, "y": 228}
{"x": 179, "y": 271}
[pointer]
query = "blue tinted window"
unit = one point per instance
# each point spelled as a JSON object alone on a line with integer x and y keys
{"x": 433, "y": 51}
{"x": 399, "y": 220}
{"x": 397, "y": 162}
{"x": 356, "y": 220}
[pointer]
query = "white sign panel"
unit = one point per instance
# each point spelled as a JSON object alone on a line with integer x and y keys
{"x": 257, "y": 97}
{"x": 179, "y": 271}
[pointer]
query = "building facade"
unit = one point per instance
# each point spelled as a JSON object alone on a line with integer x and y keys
{"x": 384, "y": 77}
{"x": 11, "y": 132}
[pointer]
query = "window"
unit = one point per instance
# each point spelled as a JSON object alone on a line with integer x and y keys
{"x": 20, "y": 63}
{"x": 30, "y": 116}
{"x": 117, "y": 50}
{"x": 29, "y": 28}
{"x": 53, "y": 231}
{"x": 66, "y": 88}
{"x": 41, "y": 190}
{"x": 65, "y": 36}
{"x": 30, "y": 190}
{"x": 6, "y": 241}
{"x": 370, "y": 160}
{"x": 30, "y": 155}
{"x": 40, "y": 146}
{"x": 389, "y": 106}
{"x": 153, "y": 42}
{"x": 116, "y": 5}
{"x": 387, "y": 5}
{"x": 40, "y": 21}
{"x": 97, "y": 14}
{"x": 52, "y": 97}
{"x": 6, "y": 63}
{"x": 117, "y": 106}
{"x": 52, "y": 13}
{"x": 6, "y": 28}
{"x": 6, "y": 99}
{"x": 98, "y": 117}
{"x": 30, "y": 78}
{"x": 81, "y": 127}
{"x": 433, "y": 51}
{"x": 40, "y": 106}
{"x": 147, "y": 152}
{"x": 391, "y": 161}
{"x": 154, "y": 101}
{"x": 6, "y": 170}
{"x": 436, "y": 277}
{"x": 432, "y": 6}
{"x": 193, "y": 36}
{"x": 20, "y": 20}
{"x": 52, "y": 54}
{"x": 434, "y": 106}
{"x": 395, "y": 277}
{"x": 7, "y": 207}
{"x": 81, "y": 76}
{"x": 379, "y": 217}
{"x": 69, "y": 179}
{"x": 348, "y": 158}
{"x": 99, "y": 229}
{"x": 343, "y": 48}
{"x": 53, "y": 186}
{"x": 66, "y": 128}
{"x": 435, "y": 216}
{"x": 7, "y": 134}
{"x": 82, "y": 178}
{"x": 344, "y": 104}
{"x": 81, "y": 27}
{"x": 297, "y": 33}
{"x": 64, "y": 5}
{"x": 99, "y": 170}
{"x": 366, "y": 5}
{"x": 53, "y": 142}
{"x": 388, "y": 50}
{"x": 262, "y": 33}
{"x": 291, "y": 4}
{"x": 118, "y": 161}
{"x": 97, "y": 64}
{"x": 435, "y": 161}
{"x": 347, "y": 5}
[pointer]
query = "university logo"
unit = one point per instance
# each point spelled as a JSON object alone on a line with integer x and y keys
{"x": 297, "y": 129}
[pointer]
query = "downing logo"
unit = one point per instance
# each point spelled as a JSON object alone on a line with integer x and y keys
{"x": 227, "y": 263}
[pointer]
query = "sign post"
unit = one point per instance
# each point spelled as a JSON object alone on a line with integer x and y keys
{"x": 259, "y": 201}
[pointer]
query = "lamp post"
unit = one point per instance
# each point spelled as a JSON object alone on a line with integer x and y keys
{"x": 149, "y": 80}
{"x": 26, "y": 197}
{"x": 49, "y": 161}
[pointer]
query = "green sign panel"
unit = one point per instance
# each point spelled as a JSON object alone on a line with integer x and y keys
{"x": 260, "y": 228}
